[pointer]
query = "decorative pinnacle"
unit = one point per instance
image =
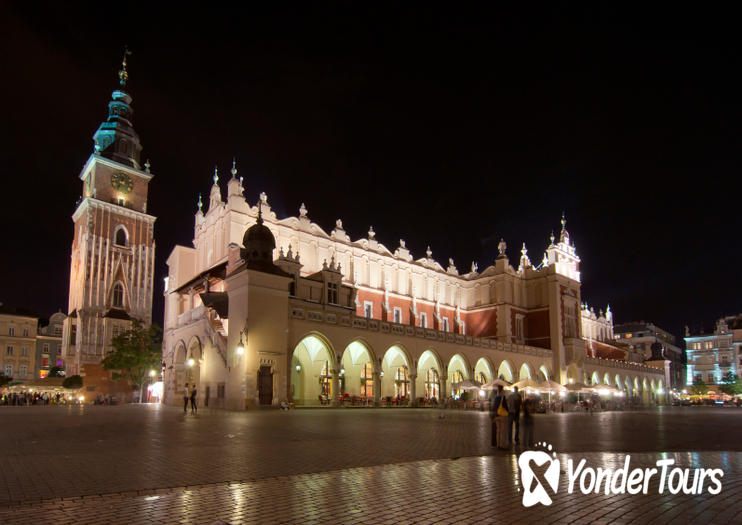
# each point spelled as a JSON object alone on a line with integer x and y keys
{"x": 234, "y": 167}
{"x": 564, "y": 222}
{"x": 260, "y": 213}
{"x": 147, "y": 165}
{"x": 123, "y": 74}
{"x": 551, "y": 237}
{"x": 200, "y": 202}
{"x": 216, "y": 175}
{"x": 371, "y": 232}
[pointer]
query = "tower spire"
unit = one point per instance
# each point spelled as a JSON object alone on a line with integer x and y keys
{"x": 116, "y": 138}
{"x": 123, "y": 74}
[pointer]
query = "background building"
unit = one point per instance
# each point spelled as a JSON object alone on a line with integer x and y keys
{"x": 113, "y": 249}
{"x": 714, "y": 353}
{"x": 18, "y": 343}
{"x": 30, "y": 347}
{"x": 639, "y": 338}
{"x": 49, "y": 345}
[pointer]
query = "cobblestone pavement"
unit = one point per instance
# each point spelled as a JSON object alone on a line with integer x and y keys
{"x": 151, "y": 464}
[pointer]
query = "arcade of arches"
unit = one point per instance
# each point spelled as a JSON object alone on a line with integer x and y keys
{"x": 321, "y": 373}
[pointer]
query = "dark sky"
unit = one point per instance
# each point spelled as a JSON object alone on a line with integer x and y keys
{"x": 446, "y": 127}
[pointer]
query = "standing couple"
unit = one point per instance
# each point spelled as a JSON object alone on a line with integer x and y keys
{"x": 190, "y": 395}
{"x": 505, "y": 412}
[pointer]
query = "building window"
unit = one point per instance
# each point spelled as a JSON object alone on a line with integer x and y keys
{"x": 519, "y": 327}
{"x": 25, "y": 332}
{"x": 332, "y": 293}
{"x": 401, "y": 382}
{"x": 432, "y": 384}
{"x": 368, "y": 309}
{"x": 57, "y": 330}
{"x": 423, "y": 320}
{"x": 570, "y": 321}
{"x": 24, "y": 351}
{"x": 45, "y": 360}
{"x": 8, "y": 370}
{"x": 9, "y": 350}
{"x": 46, "y": 348}
{"x": 22, "y": 371}
{"x": 462, "y": 327}
{"x": 458, "y": 377}
{"x": 367, "y": 380}
{"x": 397, "y": 315}
{"x": 445, "y": 324}
{"x": 325, "y": 380}
{"x": 118, "y": 295}
{"x": 11, "y": 330}
{"x": 121, "y": 238}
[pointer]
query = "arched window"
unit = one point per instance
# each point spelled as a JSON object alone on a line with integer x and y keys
{"x": 401, "y": 382}
{"x": 432, "y": 384}
{"x": 458, "y": 377}
{"x": 367, "y": 380}
{"x": 118, "y": 295}
{"x": 121, "y": 237}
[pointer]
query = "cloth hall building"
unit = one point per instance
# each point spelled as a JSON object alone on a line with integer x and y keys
{"x": 264, "y": 310}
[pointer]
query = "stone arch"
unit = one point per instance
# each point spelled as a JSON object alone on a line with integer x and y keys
{"x": 618, "y": 382}
{"x": 627, "y": 383}
{"x": 543, "y": 373}
{"x": 429, "y": 375}
{"x": 505, "y": 371}
{"x": 179, "y": 356}
{"x": 637, "y": 390}
{"x": 395, "y": 372}
{"x": 313, "y": 370}
{"x": 357, "y": 369}
{"x": 606, "y": 379}
{"x": 483, "y": 369}
{"x": 525, "y": 372}
{"x": 595, "y": 379}
{"x": 458, "y": 370}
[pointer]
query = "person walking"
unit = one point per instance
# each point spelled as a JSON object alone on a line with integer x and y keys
{"x": 194, "y": 393}
{"x": 514, "y": 404}
{"x": 529, "y": 407}
{"x": 499, "y": 415}
{"x": 186, "y": 396}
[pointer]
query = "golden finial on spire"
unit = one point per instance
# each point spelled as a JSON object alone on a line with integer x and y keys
{"x": 123, "y": 75}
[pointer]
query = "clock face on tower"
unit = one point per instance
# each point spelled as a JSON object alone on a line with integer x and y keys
{"x": 121, "y": 182}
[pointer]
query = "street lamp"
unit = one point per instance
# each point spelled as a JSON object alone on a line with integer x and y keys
{"x": 191, "y": 362}
{"x": 240, "y": 346}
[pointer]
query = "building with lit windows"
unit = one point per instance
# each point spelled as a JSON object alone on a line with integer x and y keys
{"x": 713, "y": 354}
{"x": 113, "y": 248}
{"x": 639, "y": 338}
{"x": 263, "y": 310}
{"x": 49, "y": 345}
{"x": 18, "y": 330}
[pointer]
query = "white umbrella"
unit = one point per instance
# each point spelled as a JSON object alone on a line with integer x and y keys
{"x": 492, "y": 385}
{"x": 468, "y": 385}
{"x": 552, "y": 386}
{"x": 527, "y": 383}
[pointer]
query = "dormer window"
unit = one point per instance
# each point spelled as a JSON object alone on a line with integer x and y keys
{"x": 332, "y": 293}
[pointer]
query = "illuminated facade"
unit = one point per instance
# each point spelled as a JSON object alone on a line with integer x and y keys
{"x": 113, "y": 249}
{"x": 714, "y": 354}
{"x": 323, "y": 315}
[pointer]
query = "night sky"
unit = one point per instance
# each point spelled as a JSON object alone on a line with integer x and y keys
{"x": 451, "y": 128}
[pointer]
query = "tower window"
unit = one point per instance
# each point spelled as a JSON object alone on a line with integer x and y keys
{"x": 118, "y": 295}
{"x": 332, "y": 293}
{"x": 121, "y": 237}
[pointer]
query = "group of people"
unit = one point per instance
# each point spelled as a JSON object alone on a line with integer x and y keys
{"x": 506, "y": 412}
{"x": 30, "y": 398}
{"x": 190, "y": 394}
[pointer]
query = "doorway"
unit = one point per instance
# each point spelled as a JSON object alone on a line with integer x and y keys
{"x": 265, "y": 385}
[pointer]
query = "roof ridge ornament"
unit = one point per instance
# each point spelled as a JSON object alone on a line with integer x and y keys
{"x": 234, "y": 167}
{"x": 123, "y": 74}
{"x": 216, "y": 175}
{"x": 200, "y": 203}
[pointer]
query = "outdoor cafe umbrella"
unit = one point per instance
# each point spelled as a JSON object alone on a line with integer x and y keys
{"x": 468, "y": 385}
{"x": 527, "y": 384}
{"x": 552, "y": 386}
{"x": 492, "y": 385}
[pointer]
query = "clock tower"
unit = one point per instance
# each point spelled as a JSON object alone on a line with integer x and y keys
{"x": 113, "y": 249}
